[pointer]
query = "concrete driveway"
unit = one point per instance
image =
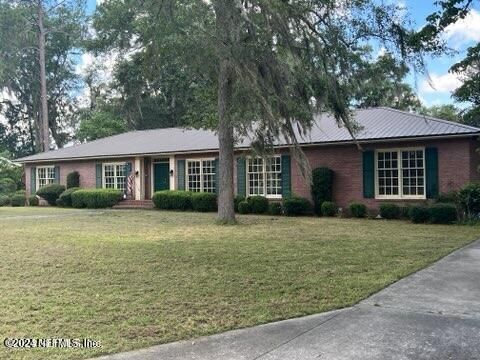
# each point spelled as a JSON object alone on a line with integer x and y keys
{"x": 433, "y": 314}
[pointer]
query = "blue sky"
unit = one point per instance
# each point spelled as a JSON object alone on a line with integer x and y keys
{"x": 459, "y": 36}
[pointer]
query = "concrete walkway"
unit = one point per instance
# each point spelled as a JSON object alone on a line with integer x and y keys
{"x": 433, "y": 314}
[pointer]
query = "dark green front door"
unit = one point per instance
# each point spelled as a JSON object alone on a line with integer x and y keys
{"x": 161, "y": 178}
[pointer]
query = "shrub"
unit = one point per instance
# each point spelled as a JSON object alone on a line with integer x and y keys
{"x": 329, "y": 208}
{"x": 238, "y": 199}
{"x": 358, "y": 210}
{"x": 4, "y": 200}
{"x": 469, "y": 200}
{"x": 258, "y": 204}
{"x": 73, "y": 180}
{"x": 447, "y": 198}
{"x": 51, "y": 192}
{"x": 296, "y": 206}
{"x": 95, "y": 198}
{"x": 65, "y": 198}
{"x": 17, "y": 200}
{"x": 322, "y": 187}
{"x": 204, "y": 202}
{"x": 244, "y": 207}
{"x": 275, "y": 208}
{"x": 33, "y": 200}
{"x": 7, "y": 186}
{"x": 173, "y": 200}
{"x": 389, "y": 211}
{"x": 60, "y": 203}
{"x": 442, "y": 214}
{"x": 405, "y": 212}
{"x": 419, "y": 214}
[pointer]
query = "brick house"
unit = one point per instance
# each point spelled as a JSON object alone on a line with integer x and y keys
{"x": 403, "y": 158}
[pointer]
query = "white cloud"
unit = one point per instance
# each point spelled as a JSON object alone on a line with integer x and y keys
{"x": 464, "y": 31}
{"x": 441, "y": 83}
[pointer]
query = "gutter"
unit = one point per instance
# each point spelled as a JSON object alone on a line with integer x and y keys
{"x": 246, "y": 148}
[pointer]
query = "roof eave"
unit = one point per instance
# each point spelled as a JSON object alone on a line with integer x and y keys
{"x": 324, "y": 143}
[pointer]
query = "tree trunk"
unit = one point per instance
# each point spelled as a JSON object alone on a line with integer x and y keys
{"x": 226, "y": 31}
{"x": 44, "y": 130}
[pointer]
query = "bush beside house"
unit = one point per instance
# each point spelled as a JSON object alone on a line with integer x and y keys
{"x": 17, "y": 200}
{"x": 95, "y": 198}
{"x": 297, "y": 206}
{"x": 358, "y": 210}
{"x": 172, "y": 200}
{"x": 322, "y": 187}
{"x": 51, "y": 193}
{"x": 204, "y": 202}
{"x": 73, "y": 180}
{"x": 65, "y": 198}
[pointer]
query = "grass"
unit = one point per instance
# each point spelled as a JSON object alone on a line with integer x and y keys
{"x": 131, "y": 279}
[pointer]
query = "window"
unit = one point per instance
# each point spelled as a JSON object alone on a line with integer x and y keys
{"x": 45, "y": 176}
{"x": 201, "y": 175}
{"x": 401, "y": 173}
{"x": 264, "y": 176}
{"x": 114, "y": 176}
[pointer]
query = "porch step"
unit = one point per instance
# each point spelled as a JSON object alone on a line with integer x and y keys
{"x": 134, "y": 204}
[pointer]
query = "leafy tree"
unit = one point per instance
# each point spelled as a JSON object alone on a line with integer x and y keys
{"x": 99, "y": 123}
{"x": 37, "y": 52}
{"x": 469, "y": 91}
{"x": 445, "y": 112}
{"x": 262, "y": 67}
{"x": 382, "y": 83}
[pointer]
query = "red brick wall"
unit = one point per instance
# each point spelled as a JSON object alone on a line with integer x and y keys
{"x": 86, "y": 169}
{"x": 455, "y": 159}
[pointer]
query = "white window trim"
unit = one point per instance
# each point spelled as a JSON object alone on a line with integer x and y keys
{"x": 400, "y": 176}
{"x": 187, "y": 187}
{"x": 103, "y": 172}
{"x": 264, "y": 177}
{"x": 37, "y": 177}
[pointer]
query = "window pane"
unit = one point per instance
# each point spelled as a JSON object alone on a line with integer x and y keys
{"x": 273, "y": 172}
{"x": 413, "y": 173}
{"x": 387, "y": 173}
{"x": 255, "y": 176}
{"x": 194, "y": 176}
{"x": 208, "y": 168}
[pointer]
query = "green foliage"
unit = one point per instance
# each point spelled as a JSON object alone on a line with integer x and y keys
{"x": 65, "y": 198}
{"x": 8, "y": 169}
{"x": 358, "y": 210}
{"x": 448, "y": 197}
{"x": 275, "y": 208}
{"x": 95, "y": 198}
{"x": 204, "y": 202}
{"x": 382, "y": 83}
{"x": 445, "y": 112}
{"x": 4, "y": 200}
{"x": 442, "y": 214}
{"x": 419, "y": 214}
{"x": 244, "y": 207}
{"x": 97, "y": 124}
{"x": 469, "y": 200}
{"x": 51, "y": 192}
{"x": 17, "y": 200}
{"x": 33, "y": 201}
{"x": 258, "y": 204}
{"x": 322, "y": 187}
{"x": 329, "y": 208}
{"x": 7, "y": 186}
{"x": 172, "y": 200}
{"x": 390, "y": 211}
{"x": 237, "y": 200}
{"x": 73, "y": 180}
{"x": 297, "y": 206}
{"x": 405, "y": 212}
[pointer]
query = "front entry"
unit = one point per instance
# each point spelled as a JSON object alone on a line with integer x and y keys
{"x": 161, "y": 176}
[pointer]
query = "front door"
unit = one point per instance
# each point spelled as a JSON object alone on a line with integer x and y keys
{"x": 161, "y": 176}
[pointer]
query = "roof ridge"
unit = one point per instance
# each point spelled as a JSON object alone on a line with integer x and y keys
{"x": 430, "y": 118}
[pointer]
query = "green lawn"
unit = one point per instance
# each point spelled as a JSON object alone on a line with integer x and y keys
{"x": 136, "y": 278}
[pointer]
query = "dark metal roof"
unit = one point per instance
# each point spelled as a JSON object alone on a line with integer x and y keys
{"x": 376, "y": 124}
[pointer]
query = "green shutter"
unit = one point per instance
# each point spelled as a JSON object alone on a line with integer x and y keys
{"x": 286, "y": 176}
{"x": 369, "y": 174}
{"x": 181, "y": 175}
{"x": 33, "y": 180}
{"x": 241, "y": 177}
{"x": 217, "y": 184}
{"x": 98, "y": 177}
{"x": 431, "y": 172}
{"x": 57, "y": 174}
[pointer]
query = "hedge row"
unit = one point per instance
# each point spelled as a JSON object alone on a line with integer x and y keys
{"x": 95, "y": 198}
{"x": 185, "y": 200}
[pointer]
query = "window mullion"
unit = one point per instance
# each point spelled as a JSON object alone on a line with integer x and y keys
{"x": 400, "y": 174}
